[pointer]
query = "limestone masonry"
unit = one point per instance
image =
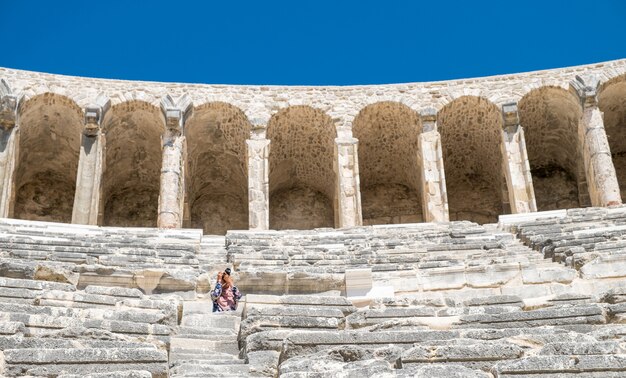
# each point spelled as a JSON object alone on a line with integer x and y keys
{"x": 468, "y": 228}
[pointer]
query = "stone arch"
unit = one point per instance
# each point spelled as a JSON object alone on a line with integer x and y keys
{"x": 49, "y": 147}
{"x": 388, "y": 163}
{"x": 612, "y": 102}
{"x": 218, "y": 171}
{"x": 470, "y": 129}
{"x": 549, "y": 117}
{"x": 133, "y": 132}
{"x": 301, "y": 179}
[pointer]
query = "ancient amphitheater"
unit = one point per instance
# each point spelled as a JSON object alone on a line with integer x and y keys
{"x": 468, "y": 228}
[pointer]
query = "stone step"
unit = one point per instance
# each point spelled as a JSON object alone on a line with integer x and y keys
{"x": 52, "y": 362}
{"x": 49, "y": 342}
{"x": 557, "y": 366}
{"x": 225, "y": 344}
{"x": 216, "y": 320}
{"x": 41, "y": 323}
{"x": 112, "y": 374}
{"x": 208, "y": 370}
{"x": 34, "y": 285}
{"x": 203, "y": 332}
{"x": 570, "y": 315}
{"x": 207, "y": 359}
{"x": 479, "y": 356}
{"x": 131, "y": 315}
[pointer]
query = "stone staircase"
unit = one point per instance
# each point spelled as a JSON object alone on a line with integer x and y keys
{"x": 206, "y": 343}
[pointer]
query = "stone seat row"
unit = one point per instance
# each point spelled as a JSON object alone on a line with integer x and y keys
{"x": 501, "y": 336}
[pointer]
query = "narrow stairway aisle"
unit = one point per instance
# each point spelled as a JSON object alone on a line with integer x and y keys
{"x": 205, "y": 343}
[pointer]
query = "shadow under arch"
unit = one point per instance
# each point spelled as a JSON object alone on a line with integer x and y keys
{"x": 301, "y": 179}
{"x": 218, "y": 171}
{"x": 50, "y": 127}
{"x": 470, "y": 129}
{"x": 549, "y": 116}
{"x": 612, "y": 102}
{"x": 131, "y": 179}
{"x": 389, "y": 170}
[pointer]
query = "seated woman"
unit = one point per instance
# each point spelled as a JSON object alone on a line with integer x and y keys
{"x": 225, "y": 295}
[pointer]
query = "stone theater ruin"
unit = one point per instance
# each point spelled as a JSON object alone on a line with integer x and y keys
{"x": 467, "y": 228}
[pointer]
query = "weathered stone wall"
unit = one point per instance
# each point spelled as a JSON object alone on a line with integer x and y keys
{"x": 132, "y": 164}
{"x": 470, "y": 130}
{"x": 50, "y": 130}
{"x": 550, "y": 118}
{"x": 388, "y": 156}
{"x": 301, "y": 125}
{"x": 218, "y": 181}
{"x": 301, "y": 156}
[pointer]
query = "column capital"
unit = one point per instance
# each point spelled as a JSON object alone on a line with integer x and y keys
{"x": 510, "y": 115}
{"x": 429, "y": 119}
{"x": 176, "y": 112}
{"x": 94, "y": 114}
{"x": 586, "y": 88}
{"x": 8, "y": 106}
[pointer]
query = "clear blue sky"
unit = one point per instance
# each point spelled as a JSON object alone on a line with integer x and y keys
{"x": 307, "y": 42}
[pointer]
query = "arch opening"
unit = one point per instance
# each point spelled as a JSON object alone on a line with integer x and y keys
{"x": 131, "y": 179}
{"x": 388, "y": 163}
{"x": 218, "y": 173}
{"x": 470, "y": 129}
{"x": 49, "y": 148}
{"x": 612, "y": 102}
{"x": 549, "y": 117}
{"x": 301, "y": 179}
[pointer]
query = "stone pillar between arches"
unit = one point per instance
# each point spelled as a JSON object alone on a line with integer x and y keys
{"x": 258, "y": 151}
{"x": 89, "y": 180}
{"x": 433, "y": 177}
{"x": 9, "y": 152}
{"x": 515, "y": 164}
{"x": 434, "y": 192}
{"x": 348, "y": 194}
{"x": 517, "y": 171}
{"x": 596, "y": 153}
{"x": 171, "y": 195}
{"x": 599, "y": 169}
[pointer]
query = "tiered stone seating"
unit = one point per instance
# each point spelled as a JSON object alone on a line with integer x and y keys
{"x": 149, "y": 259}
{"x": 480, "y": 337}
{"x": 591, "y": 240}
{"x": 268, "y": 320}
{"x": 409, "y": 258}
{"x": 51, "y": 328}
{"x": 445, "y": 300}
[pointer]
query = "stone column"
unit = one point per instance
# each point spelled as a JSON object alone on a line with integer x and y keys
{"x": 348, "y": 193}
{"x": 434, "y": 194}
{"x": 596, "y": 154}
{"x": 258, "y": 152}
{"x": 172, "y": 188}
{"x": 9, "y": 148}
{"x": 90, "y": 165}
{"x": 515, "y": 165}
